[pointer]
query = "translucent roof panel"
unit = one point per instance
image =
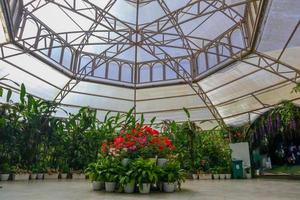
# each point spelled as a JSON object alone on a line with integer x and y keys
{"x": 226, "y": 61}
{"x": 92, "y": 33}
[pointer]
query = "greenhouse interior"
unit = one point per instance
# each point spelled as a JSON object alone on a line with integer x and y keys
{"x": 149, "y": 99}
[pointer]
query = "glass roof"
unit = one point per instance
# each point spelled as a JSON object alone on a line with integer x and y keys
{"x": 227, "y": 61}
{"x": 128, "y": 33}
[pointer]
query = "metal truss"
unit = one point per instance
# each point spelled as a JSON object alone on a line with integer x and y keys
{"x": 153, "y": 37}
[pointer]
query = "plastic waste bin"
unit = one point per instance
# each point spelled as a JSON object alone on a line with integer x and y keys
{"x": 237, "y": 169}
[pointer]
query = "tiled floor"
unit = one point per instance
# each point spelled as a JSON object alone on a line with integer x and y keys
{"x": 202, "y": 190}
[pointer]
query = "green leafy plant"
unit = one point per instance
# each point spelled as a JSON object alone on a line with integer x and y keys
{"x": 93, "y": 171}
{"x": 172, "y": 172}
{"x": 128, "y": 176}
{"x": 146, "y": 171}
{"x": 110, "y": 169}
{"x": 5, "y": 168}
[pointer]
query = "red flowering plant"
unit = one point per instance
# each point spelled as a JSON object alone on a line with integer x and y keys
{"x": 140, "y": 141}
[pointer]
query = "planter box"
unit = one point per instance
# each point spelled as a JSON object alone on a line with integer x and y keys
{"x": 216, "y": 176}
{"x": 205, "y": 176}
{"x": 21, "y": 177}
{"x": 78, "y": 176}
{"x": 50, "y": 176}
{"x": 4, "y": 177}
{"x": 63, "y": 175}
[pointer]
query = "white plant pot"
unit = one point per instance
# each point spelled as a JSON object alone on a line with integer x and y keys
{"x": 4, "y": 177}
{"x": 222, "y": 176}
{"x": 228, "y": 176}
{"x": 248, "y": 176}
{"x": 195, "y": 176}
{"x": 51, "y": 176}
{"x": 257, "y": 172}
{"x": 216, "y": 176}
{"x": 205, "y": 176}
{"x": 110, "y": 186}
{"x": 33, "y": 176}
{"x": 129, "y": 187}
{"x": 169, "y": 187}
{"x": 21, "y": 177}
{"x": 125, "y": 161}
{"x": 161, "y": 162}
{"x": 160, "y": 186}
{"x": 63, "y": 175}
{"x": 145, "y": 188}
{"x": 97, "y": 185}
{"x": 40, "y": 176}
{"x": 78, "y": 176}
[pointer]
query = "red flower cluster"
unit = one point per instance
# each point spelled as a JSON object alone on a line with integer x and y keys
{"x": 138, "y": 139}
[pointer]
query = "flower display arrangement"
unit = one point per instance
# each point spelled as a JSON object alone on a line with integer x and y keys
{"x": 140, "y": 147}
{"x": 144, "y": 142}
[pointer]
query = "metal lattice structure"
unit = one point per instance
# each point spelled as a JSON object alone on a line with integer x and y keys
{"x": 155, "y": 55}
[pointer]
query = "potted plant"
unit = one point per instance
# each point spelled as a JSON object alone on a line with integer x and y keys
{"x": 147, "y": 173}
{"x": 204, "y": 170}
{"x": 204, "y": 175}
{"x": 34, "y": 172}
{"x": 5, "y": 171}
{"x": 77, "y": 174}
{"x": 172, "y": 174}
{"x": 215, "y": 173}
{"x": 127, "y": 179}
{"x": 228, "y": 172}
{"x": 110, "y": 170}
{"x": 51, "y": 174}
{"x": 64, "y": 171}
{"x": 162, "y": 154}
{"x": 93, "y": 172}
{"x": 20, "y": 174}
{"x": 222, "y": 173}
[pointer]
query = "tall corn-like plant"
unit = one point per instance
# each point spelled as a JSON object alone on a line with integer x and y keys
{"x": 82, "y": 138}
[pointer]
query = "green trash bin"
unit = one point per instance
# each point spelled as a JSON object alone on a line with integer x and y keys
{"x": 237, "y": 169}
